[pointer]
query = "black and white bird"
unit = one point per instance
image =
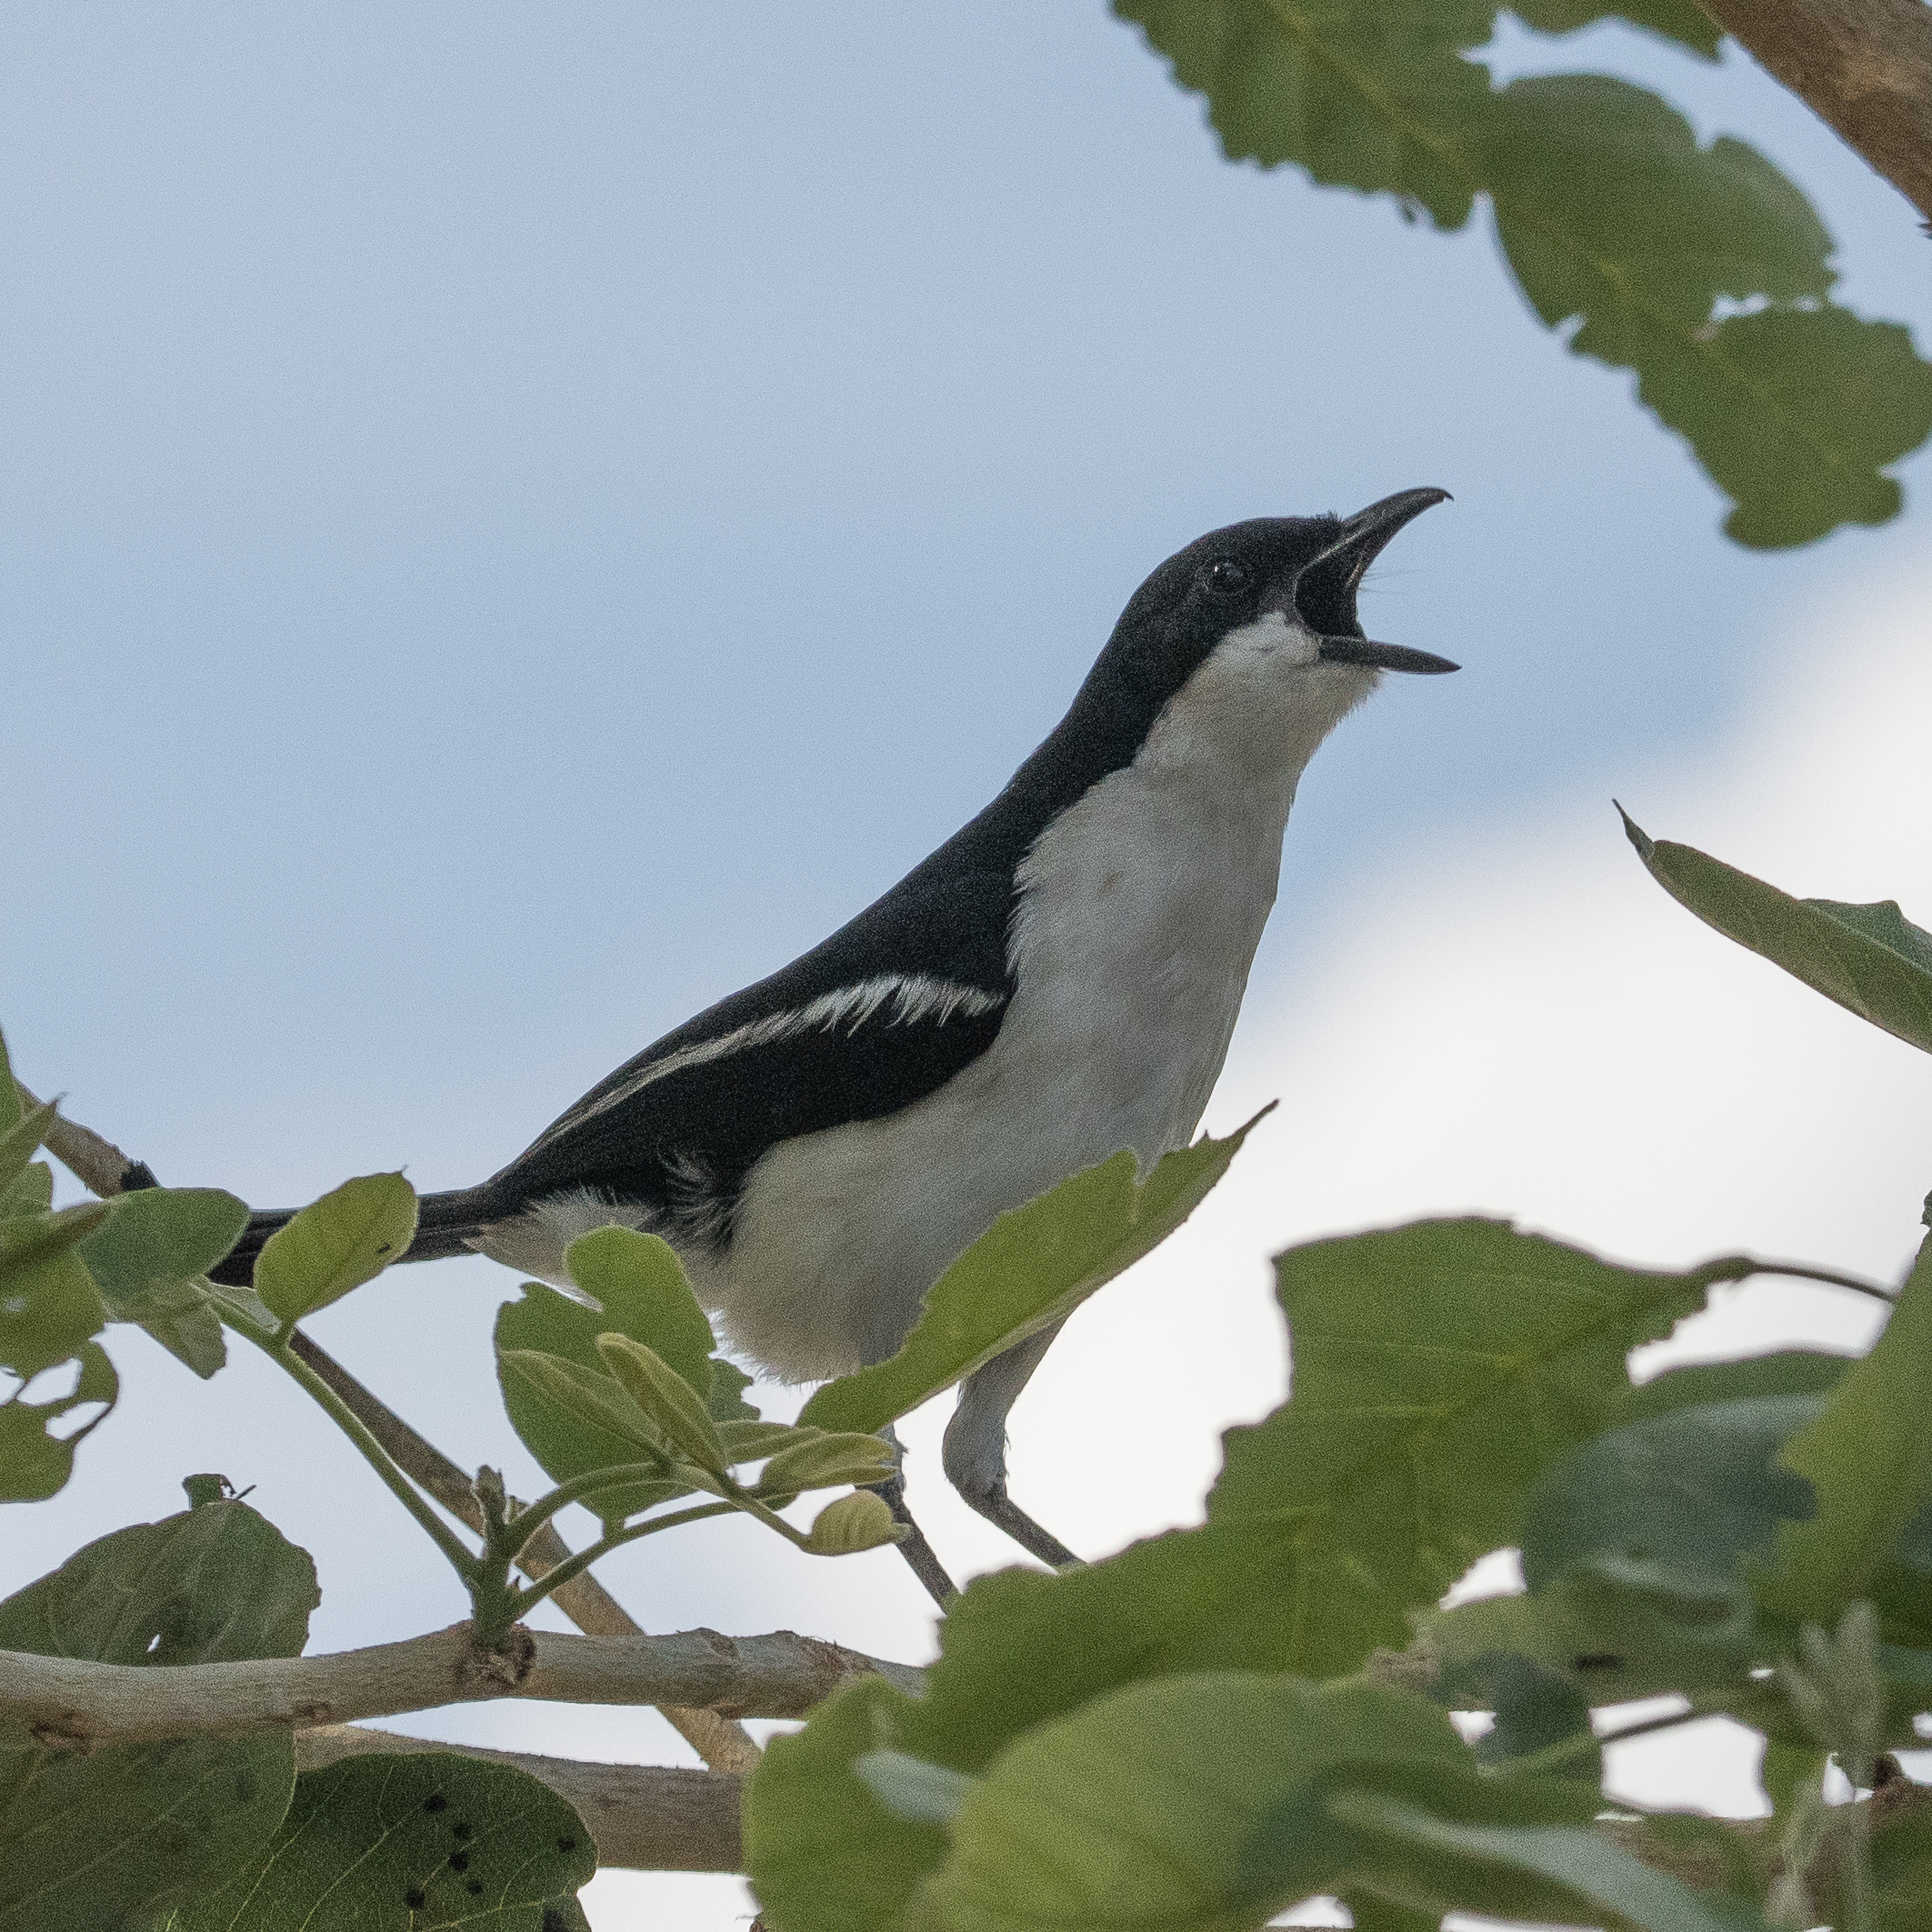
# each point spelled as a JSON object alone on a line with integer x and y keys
{"x": 1058, "y": 982}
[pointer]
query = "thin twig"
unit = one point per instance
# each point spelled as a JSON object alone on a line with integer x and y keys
{"x": 1830, "y": 1276}
{"x": 76, "y": 1704}
{"x": 725, "y": 1746}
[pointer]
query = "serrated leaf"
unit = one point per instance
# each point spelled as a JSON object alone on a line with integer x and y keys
{"x": 1031, "y": 1268}
{"x": 1609, "y": 212}
{"x": 1869, "y": 1458}
{"x": 98, "y": 1837}
{"x": 825, "y": 1462}
{"x": 35, "y": 1463}
{"x": 336, "y": 1245}
{"x": 666, "y": 1397}
{"x": 1373, "y": 98}
{"x": 639, "y": 1283}
{"x": 1676, "y": 20}
{"x": 1440, "y": 1370}
{"x": 414, "y": 1842}
{"x": 1883, "y": 980}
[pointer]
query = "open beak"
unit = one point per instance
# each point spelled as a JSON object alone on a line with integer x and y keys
{"x": 1325, "y": 590}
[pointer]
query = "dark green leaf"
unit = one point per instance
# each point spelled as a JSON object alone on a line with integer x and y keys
{"x": 1784, "y": 1372}
{"x": 1372, "y": 97}
{"x": 1030, "y": 1269}
{"x": 1440, "y": 1370}
{"x": 727, "y": 1402}
{"x": 11, "y": 1108}
{"x": 1868, "y": 1458}
{"x": 1882, "y": 980}
{"x": 1581, "y": 1863}
{"x": 1609, "y": 212}
{"x": 411, "y": 1842}
{"x": 1795, "y": 413}
{"x": 336, "y": 1245}
{"x": 180, "y": 1315}
{"x": 1678, "y": 20}
{"x": 1689, "y": 1494}
{"x": 639, "y": 1283}
{"x": 93, "y": 1839}
{"x": 146, "y": 1261}
{"x": 162, "y": 1235}
{"x": 35, "y": 1463}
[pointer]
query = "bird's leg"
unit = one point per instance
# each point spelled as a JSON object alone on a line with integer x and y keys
{"x": 975, "y": 1446}
{"x": 914, "y": 1546}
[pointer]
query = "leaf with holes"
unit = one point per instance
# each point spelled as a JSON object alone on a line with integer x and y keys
{"x": 416, "y": 1842}
{"x": 98, "y": 1837}
{"x": 36, "y": 1462}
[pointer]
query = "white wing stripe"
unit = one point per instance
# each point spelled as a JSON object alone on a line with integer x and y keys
{"x": 913, "y": 996}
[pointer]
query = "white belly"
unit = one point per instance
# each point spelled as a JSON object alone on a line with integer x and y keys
{"x": 1141, "y": 909}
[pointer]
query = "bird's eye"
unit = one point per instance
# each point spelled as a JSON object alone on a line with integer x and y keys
{"x": 1227, "y": 576}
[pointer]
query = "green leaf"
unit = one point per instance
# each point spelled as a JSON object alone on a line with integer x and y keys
{"x": 35, "y": 1463}
{"x": 407, "y": 1842}
{"x": 30, "y": 1192}
{"x": 1373, "y": 98}
{"x": 1031, "y": 1268}
{"x": 852, "y": 1524}
{"x": 1677, "y": 20}
{"x": 1795, "y": 413}
{"x": 334, "y": 1245}
{"x": 1197, "y": 1804}
{"x": 750, "y": 1442}
{"x": 1580, "y": 1862}
{"x": 639, "y": 1283}
{"x": 180, "y": 1316}
{"x": 665, "y": 1395}
{"x": 1784, "y": 1372}
{"x": 1610, "y": 215}
{"x": 49, "y": 1304}
{"x": 146, "y": 1260}
{"x": 19, "y": 1142}
{"x": 1874, "y": 964}
{"x": 727, "y": 1402}
{"x": 596, "y": 1401}
{"x": 1440, "y": 1370}
{"x": 1869, "y": 1458}
{"x": 825, "y": 1462}
{"x": 11, "y": 1108}
{"x": 96, "y": 1838}
{"x": 162, "y": 1235}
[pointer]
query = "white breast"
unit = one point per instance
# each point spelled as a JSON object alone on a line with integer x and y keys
{"x": 1141, "y": 907}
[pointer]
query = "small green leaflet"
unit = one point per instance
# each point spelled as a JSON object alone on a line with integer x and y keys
{"x": 336, "y": 1245}
{"x": 1870, "y": 959}
{"x": 147, "y": 1261}
{"x": 1033, "y": 1268}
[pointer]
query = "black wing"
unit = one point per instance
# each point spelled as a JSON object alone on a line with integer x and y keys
{"x": 886, "y": 1011}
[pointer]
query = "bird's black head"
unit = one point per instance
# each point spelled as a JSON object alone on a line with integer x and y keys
{"x": 1306, "y": 569}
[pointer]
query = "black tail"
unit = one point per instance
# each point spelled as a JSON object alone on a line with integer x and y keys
{"x": 443, "y": 1221}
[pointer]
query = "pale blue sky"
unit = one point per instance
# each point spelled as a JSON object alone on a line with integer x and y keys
{"x": 519, "y": 519}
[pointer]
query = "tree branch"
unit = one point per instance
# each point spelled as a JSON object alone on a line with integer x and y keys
{"x": 76, "y": 1704}
{"x": 1865, "y": 67}
{"x": 645, "y": 1818}
{"x": 725, "y": 1745}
